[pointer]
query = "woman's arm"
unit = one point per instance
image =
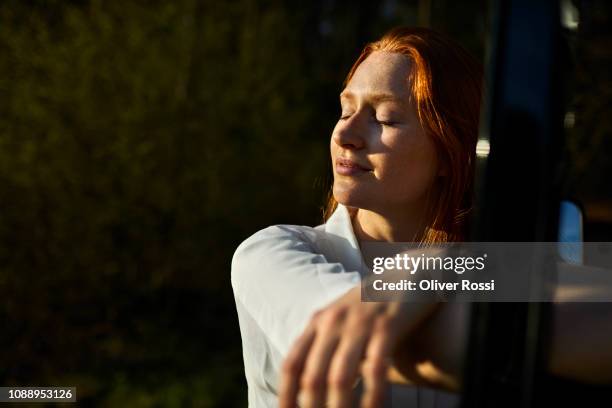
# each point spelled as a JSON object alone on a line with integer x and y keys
{"x": 281, "y": 280}
{"x": 434, "y": 355}
{"x": 423, "y": 344}
{"x": 580, "y": 349}
{"x": 347, "y": 338}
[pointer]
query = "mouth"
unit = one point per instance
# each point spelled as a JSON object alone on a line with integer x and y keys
{"x": 348, "y": 167}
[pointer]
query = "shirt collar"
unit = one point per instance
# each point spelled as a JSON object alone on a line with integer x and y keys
{"x": 340, "y": 227}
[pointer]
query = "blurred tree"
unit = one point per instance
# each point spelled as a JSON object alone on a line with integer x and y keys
{"x": 140, "y": 142}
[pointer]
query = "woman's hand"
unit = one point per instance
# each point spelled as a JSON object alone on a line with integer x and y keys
{"x": 341, "y": 341}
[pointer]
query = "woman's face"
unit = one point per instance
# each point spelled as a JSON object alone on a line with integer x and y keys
{"x": 381, "y": 157}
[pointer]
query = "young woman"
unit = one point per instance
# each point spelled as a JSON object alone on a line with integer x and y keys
{"x": 402, "y": 154}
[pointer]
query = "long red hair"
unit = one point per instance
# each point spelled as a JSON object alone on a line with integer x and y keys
{"x": 446, "y": 85}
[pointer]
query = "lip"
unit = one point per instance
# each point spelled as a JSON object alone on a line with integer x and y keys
{"x": 347, "y": 167}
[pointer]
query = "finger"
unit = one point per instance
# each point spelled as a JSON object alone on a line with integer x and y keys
{"x": 377, "y": 361}
{"x": 345, "y": 364}
{"x": 313, "y": 384}
{"x": 292, "y": 368}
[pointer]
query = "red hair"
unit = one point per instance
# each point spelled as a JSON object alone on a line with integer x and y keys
{"x": 446, "y": 86}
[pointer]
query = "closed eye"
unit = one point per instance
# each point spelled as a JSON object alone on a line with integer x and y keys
{"x": 385, "y": 122}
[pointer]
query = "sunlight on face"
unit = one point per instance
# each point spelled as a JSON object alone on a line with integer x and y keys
{"x": 381, "y": 157}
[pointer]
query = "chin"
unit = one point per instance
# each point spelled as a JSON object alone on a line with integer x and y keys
{"x": 352, "y": 197}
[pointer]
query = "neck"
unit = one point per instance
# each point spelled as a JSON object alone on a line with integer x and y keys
{"x": 392, "y": 226}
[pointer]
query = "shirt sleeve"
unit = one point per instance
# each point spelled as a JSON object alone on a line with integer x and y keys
{"x": 281, "y": 279}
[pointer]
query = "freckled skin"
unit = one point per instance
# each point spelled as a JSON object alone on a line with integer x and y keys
{"x": 402, "y": 157}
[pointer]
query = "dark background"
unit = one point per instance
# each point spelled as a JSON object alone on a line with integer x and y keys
{"x": 141, "y": 142}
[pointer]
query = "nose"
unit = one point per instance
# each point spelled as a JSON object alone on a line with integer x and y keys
{"x": 350, "y": 133}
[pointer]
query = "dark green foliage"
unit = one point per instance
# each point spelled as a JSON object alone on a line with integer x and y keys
{"x": 140, "y": 142}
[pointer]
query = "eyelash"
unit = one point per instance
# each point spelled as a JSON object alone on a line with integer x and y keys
{"x": 380, "y": 122}
{"x": 384, "y": 123}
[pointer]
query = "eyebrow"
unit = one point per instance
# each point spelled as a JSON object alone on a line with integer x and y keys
{"x": 375, "y": 98}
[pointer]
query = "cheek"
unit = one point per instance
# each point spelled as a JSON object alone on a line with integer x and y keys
{"x": 333, "y": 153}
{"x": 333, "y": 146}
{"x": 410, "y": 170}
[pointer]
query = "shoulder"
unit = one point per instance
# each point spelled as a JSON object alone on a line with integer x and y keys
{"x": 281, "y": 231}
{"x": 275, "y": 253}
{"x": 278, "y": 237}
{"x": 280, "y": 247}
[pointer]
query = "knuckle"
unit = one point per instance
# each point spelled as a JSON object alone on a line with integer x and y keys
{"x": 291, "y": 366}
{"x": 311, "y": 382}
{"x": 332, "y": 316}
{"x": 383, "y": 324}
{"x": 375, "y": 367}
{"x": 360, "y": 320}
{"x": 339, "y": 380}
{"x": 316, "y": 315}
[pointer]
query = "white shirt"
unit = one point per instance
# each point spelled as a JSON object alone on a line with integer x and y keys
{"x": 281, "y": 275}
